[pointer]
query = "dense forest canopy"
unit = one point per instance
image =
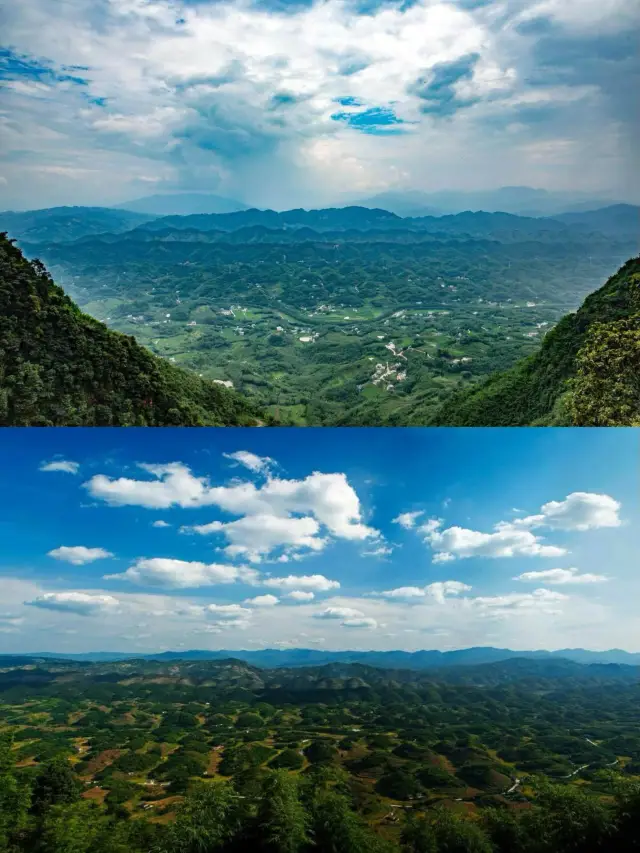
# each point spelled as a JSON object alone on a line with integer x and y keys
{"x": 519, "y": 756}
{"x": 59, "y": 366}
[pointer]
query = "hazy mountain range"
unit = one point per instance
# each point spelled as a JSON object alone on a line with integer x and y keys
{"x": 423, "y": 659}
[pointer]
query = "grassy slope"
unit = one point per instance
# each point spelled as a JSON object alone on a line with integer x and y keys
{"x": 536, "y": 391}
{"x": 60, "y": 367}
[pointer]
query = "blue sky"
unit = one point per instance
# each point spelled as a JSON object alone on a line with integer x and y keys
{"x": 307, "y": 103}
{"x": 145, "y": 540}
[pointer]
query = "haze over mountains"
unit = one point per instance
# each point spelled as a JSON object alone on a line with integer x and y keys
{"x": 424, "y": 659}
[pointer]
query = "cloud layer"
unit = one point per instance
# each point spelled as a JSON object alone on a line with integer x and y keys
{"x": 291, "y": 104}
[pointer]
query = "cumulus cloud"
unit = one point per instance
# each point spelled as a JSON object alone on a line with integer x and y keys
{"x": 179, "y": 574}
{"x": 578, "y": 511}
{"x": 506, "y": 541}
{"x": 262, "y": 601}
{"x": 438, "y": 591}
{"x": 160, "y": 523}
{"x": 65, "y": 466}
{"x": 360, "y": 623}
{"x": 228, "y": 615}
{"x": 317, "y": 583}
{"x": 255, "y": 536}
{"x": 515, "y": 600}
{"x": 79, "y": 555}
{"x": 561, "y": 576}
{"x": 339, "y": 613}
{"x": 407, "y": 519}
{"x": 301, "y": 595}
{"x": 81, "y": 603}
{"x": 294, "y": 515}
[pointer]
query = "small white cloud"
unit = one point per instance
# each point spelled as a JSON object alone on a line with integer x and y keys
{"x": 578, "y": 511}
{"x": 228, "y": 615}
{"x": 508, "y": 540}
{"x": 250, "y": 460}
{"x": 177, "y": 574}
{"x": 81, "y": 603}
{"x": 79, "y": 555}
{"x": 438, "y": 590}
{"x": 338, "y": 613}
{"x": 65, "y": 466}
{"x": 407, "y": 519}
{"x": 300, "y": 595}
{"x": 561, "y": 576}
{"x": 160, "y": 523}
{"x": 318, "y": 583}
{"x": 262, "y": 601}
{"x": 359, "y": 623}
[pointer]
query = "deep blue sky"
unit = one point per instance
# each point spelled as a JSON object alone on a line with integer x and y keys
{"x": 472, "y": 480}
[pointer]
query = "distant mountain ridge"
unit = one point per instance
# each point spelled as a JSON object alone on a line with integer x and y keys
{"x": 423, "y": 659}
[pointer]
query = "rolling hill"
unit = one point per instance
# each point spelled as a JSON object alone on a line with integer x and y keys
{"x": 60, "y": 367}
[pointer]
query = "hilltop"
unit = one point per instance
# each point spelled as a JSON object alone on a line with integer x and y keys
{"x": 585, "y": 373}
{"x": 59, "y": 366}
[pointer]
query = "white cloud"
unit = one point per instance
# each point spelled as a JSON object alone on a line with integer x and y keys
{"x": 262, "y": 601}
{"x": 160, "y": 523}
{"x": 407, "y": 519}
{"x": 438, "y": 591}
{"x": 300, "y": 595}
{"x": 578, "y": 511}
{"x": 339, "y": 613}
{"x": 317, "y": 583}
{"x": 506, "y": 541}
{"x": 81, "y": 603}
{"x": 250, "y": 460}
{"x": 561, "y": 576}
{"x": 360, "y": 623}
{"x": 255, "y": 536}
{"x": 518, "y": 600}
{"x": 79, "y": 555}
{"x": 228, "y": 615}
{"x": 63, "y": 465}
{"x": 178, "y": 574}
{"x": 270, "y": 512}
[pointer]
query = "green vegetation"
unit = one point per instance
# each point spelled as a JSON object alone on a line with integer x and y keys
{"x": 61, "y": 367}
{"x": 519, "y": 756}
{"x": 348, "y": 316}
{"x": 587, "y": 372}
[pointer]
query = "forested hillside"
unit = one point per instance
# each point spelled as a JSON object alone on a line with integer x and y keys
{"x": 586, "y": 373}
{"x": 521, "y": 756}
{"x": 60, "y": 367}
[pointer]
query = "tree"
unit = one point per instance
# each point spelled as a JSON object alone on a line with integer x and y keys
{"x": 282, "y": 822}
{"x": 209, "y": 818}
{"x": 55, "y": 784}
{"x": 14, "y": 800}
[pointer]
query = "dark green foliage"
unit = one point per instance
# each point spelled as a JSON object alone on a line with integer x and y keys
{"x": 585, "y": 374}
{"x": 282, "y": 821}
{"x": 289, "y": 758}
{"x": 61, "y": 367}
{"x": 55, "y": 784}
